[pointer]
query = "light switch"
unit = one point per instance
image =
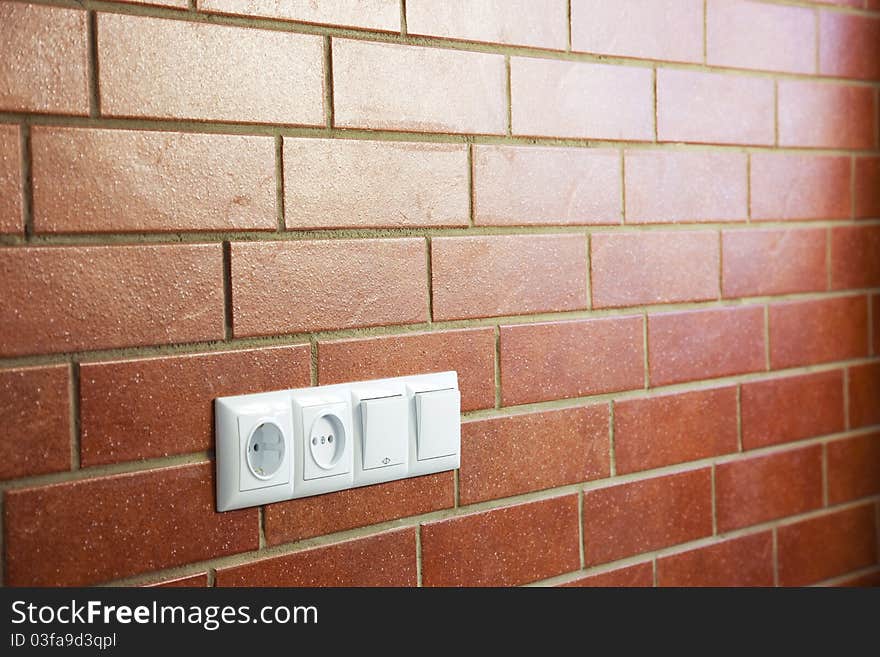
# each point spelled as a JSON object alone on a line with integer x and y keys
{"x": 384, "y": 431}
{"x": 438, "y": 423}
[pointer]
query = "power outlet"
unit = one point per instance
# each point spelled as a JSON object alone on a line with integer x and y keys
{"x": 295, "y": 443}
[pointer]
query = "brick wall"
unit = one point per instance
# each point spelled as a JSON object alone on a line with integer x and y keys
{"x": 645, "y": 234}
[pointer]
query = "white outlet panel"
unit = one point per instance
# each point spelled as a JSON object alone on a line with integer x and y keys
{"x": 276, "y": 446}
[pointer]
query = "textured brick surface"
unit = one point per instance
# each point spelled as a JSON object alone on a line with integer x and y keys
{"x": 469, "y": 352}
{"x": 97, "y": 181}
{"x": 387, "y": 559}
{"x": 43, "y": 59}
{"x": 294, "y": 520}
{"x": 762, "y": 262}
{"x": 369, "y": 14}
{"x": 864, "y": 395}
{"x": 476, "y": 550}
{"x": 809, "y": 115}
{"x": 533, "y": 185}
{"x": 667, "y": 429}
{"x": 867, "y": 187}
{"x": 517, "y": 22}
{"x": 394, "y": 87}
{"x": 827, "y": 546}
{"x": 757, "y": 489}
{"x": 849, "y": 46}
{"x": 757, "y": 35}
{"x": 853, "y": 468}
{"x": 646, "y": 268}
{"x": 34, "y": 413}
{"x": 791, "y": 408}
{"x": 807, "y": 332}
{"x": 521, "y": 453}
{"x": 325, "y": 185}
{"x": 786, "y": 186}
{"x": 579, "y": 99}
{"x": 11, "y": 219}
{"x": 641, "y": 575}
{"x": 628, "y": 519}
{"x": 704, "y": 344}
{"x": 685, "y": 186}
{"x": 746, "y": 561}
{"x": 551, "y": 360}
{"x": 507, "y": 275}
{"x": 175, "y": 69}
{"x": 108, "y": 296}
{"x": 662, "y": 29}
{"x": 855, "y": 257}
{"x": 387, "y": 276}
{"x": 714, "y": 109}
{"x": 118, "y": 400}
{"x": 85, "y": 532}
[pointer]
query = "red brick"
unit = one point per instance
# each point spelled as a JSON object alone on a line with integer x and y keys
{"x": 629, "y": 269}
{"x": 869, "y": 580}
{"x": 792, "y": 408}
{"x": 746, "y": 561}
{"x": 533, "y": 185}
{"x": 506, "y": 456}
{"x": 555, "y": 360}
{"x": 152, "y": 67}
{"x": 714, "y": 108}
{"x": 855, "y": 257}
{"x": 685, "y": 186}
{"x": 661, "y": 29}
{"x": 181, "y": 582}
{"x": 44, "y": 61}
{"x": 95, "y": 530}
{"x": 640, "y": 576}
{"x": 369, "y": 14}
{"x": 325, "y": 185}
{"x": 178, "y": 4}
{"x": 704, "y": 344}
{"x": 515, "y": 22}
{"x": 632, "y": 518}
{"x": 34, "y": 411}
{"x": 386, "y": 277}
{"x": 503, "y": 547}
{"x": 825, "y": 115}
{"x": 864, "y": 395}
{"x": 754, "y": 490}
{"x": 470, "y": 352}
{"x": 108, "y": 296}
{"x": 391, "y": 86}
{"x": 785, "y": 186}
{"x": 827, "y": 546}
{"x": 96, "y": 181}
{"x": 11, "y": 218}
{"x": 118, "y": 400}
{"x": 822, "y": 331}
{"x": 760, "y": 36}
{"x": 853, "y": 468}
{"x": 667, "y": 429}
{"x": 306, "y": 517}
{"x": 580, "y": 99}
{"x": 875, "y": 329}
{"x": 849, "y": 45}
{"x": 867, "y": 188}
{"x": 387, "y": 559}
{"x": 487, "y": 276}
{"x": 781, "y": 261}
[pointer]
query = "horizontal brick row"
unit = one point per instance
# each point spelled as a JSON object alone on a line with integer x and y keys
{"x": 147, "y": 181}
{"x": 117, "y": 399}
{"x": 98, "y": 518}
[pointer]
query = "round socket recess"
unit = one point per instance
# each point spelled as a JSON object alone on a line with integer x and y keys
{"x": 265, "y": 450}
{"x": 327, "y": 440}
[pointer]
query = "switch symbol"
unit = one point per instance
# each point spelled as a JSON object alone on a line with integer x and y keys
{"x": 386, "y": 461}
